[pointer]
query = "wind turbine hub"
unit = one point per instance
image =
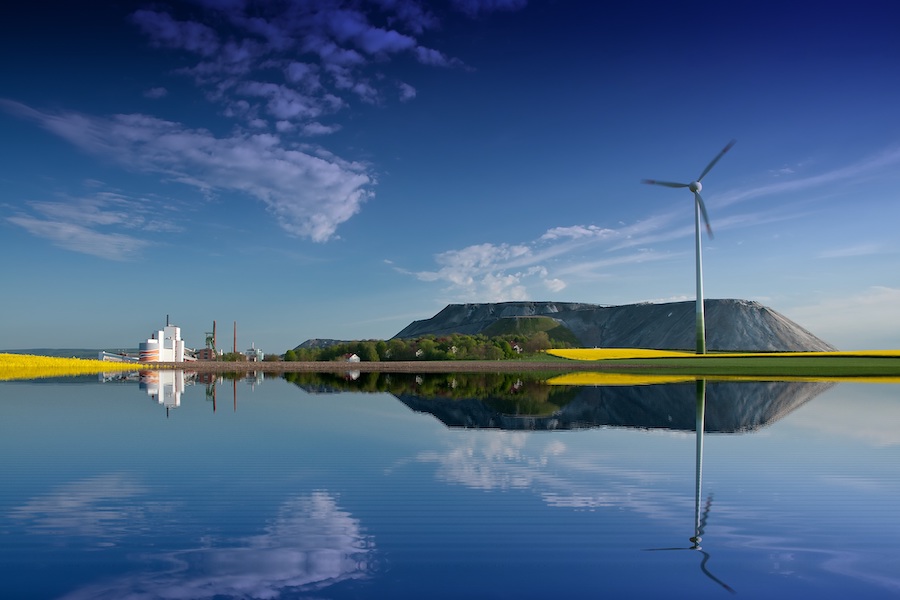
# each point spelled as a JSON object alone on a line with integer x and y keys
{"x": 695, "y": 186}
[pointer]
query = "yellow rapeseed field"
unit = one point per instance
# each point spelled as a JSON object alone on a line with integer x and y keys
{"x": 619, "y": 353}
{"x": 614, "y": 353}
{"x": 603, "y": 379}
{"x": 29, "y": 366}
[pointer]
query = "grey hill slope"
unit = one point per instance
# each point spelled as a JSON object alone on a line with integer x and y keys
{"x": 731, "y": 407}
{"x": 731, "y": 325}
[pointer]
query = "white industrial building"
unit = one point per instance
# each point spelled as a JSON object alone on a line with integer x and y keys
{"x": 165, "y": 345}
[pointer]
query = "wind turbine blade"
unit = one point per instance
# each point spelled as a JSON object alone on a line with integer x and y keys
{"x": 716, "y": 159}
{"x": 671, "y": 184}
{"x": 702, "y": 206}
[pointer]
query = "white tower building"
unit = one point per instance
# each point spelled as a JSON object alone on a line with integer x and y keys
{"x": 165, "y": 345}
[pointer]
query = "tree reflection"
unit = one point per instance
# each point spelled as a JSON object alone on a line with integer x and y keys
{"x": 524, "y": 401}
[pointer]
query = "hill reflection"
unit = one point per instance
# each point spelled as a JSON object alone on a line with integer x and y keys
{"x": 526, "y": 402}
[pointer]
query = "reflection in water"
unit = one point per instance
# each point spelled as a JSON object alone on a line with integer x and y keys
{"x": 525, "y": 402}
{"x": 165, "y": 387}
{"x": 310, "y": 544}
{"x": 699, "y": 428}
{"x": 102, "y": 508}
{"x": 701, "y": 515}
{"x": 286, "y": 498}
{"x": 519, "y": 401}
{"x": 734, "y": 407}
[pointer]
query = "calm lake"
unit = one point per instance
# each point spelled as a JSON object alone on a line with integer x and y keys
{"x": 483, "y": 486}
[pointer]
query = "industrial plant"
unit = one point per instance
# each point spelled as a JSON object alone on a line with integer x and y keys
{"x": 166, "y": 345}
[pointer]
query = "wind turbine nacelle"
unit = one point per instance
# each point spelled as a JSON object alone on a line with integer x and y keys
{"x": 695, "y": 186}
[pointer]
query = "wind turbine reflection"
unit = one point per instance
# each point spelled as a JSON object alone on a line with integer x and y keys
{"x": 701, "y": 510}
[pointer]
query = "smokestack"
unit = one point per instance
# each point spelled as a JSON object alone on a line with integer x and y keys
{"x": 235, "y": 337}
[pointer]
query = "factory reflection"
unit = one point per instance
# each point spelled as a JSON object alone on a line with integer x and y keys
{"x": 167, "y": 387}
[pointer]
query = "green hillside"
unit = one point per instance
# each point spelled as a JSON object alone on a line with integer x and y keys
{"x": 558, "y": 333}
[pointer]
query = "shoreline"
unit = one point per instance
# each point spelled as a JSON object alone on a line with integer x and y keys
{"x": 438, "y": 366}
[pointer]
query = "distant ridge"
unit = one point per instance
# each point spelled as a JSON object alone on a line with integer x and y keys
{"x": 731, "y": 325}
{"x": 319, "y": 343}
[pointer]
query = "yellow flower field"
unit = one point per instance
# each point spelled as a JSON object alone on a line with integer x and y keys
{"x": 29, "y": 366}
{"x": 603, "y": 379}
{"x": 620, "y": 353}
{"x": 614, "y": 353}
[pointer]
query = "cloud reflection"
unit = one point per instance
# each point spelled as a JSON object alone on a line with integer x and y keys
{"x": 504, "y": 460}
{"x": 310, "y": 544}
{"x": 570, "y": 479}
{"x": 101, "y": 508}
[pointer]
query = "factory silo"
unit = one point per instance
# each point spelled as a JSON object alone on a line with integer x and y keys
{"x": 149, "y": 350}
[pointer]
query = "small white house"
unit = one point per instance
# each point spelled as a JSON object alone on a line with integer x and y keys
{"x": 352, "y": 358}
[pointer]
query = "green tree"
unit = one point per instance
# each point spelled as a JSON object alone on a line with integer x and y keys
{"x": 538, "y": 342}
{"x": 368, "y": 351}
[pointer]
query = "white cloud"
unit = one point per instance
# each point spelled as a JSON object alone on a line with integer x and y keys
{"x": 284, "y": 103}
{"x": 435, "y": 58}
{"x": 555, "y": 285}
{"x": 304, "y": 74}
{"x": 888, "y": 159}
{"x": 244, "y": 56}
{"x": 317, "y": 128}
{"x": 236, "y": 43}
{"x": 407, "y": 92}
{"x": 506, "y": 272}
{"x": 309, "y": 195}
{"x": 104, "y": 224}
{"x": 67, "y": 228}
{"x": 576, "y": 232}
{"x": 478, "y": 270}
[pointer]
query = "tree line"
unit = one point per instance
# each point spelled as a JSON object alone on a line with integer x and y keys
{"x": 450, "y": 347}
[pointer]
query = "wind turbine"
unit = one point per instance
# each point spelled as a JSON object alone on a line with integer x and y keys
{"x": 699, "y": 208}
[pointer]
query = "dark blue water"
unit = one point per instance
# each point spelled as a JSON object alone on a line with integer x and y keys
{"x": 273, "y": 491}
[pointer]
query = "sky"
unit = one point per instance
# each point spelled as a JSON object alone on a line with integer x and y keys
{"x": 339, "y": 169}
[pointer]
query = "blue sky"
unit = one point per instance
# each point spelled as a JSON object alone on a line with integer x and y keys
{"x": 339, "y": 169}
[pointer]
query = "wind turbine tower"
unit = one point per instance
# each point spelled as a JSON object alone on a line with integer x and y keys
{"x": 699, "y": 209}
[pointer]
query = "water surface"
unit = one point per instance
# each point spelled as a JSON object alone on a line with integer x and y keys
{"x": 309, "y": 488}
